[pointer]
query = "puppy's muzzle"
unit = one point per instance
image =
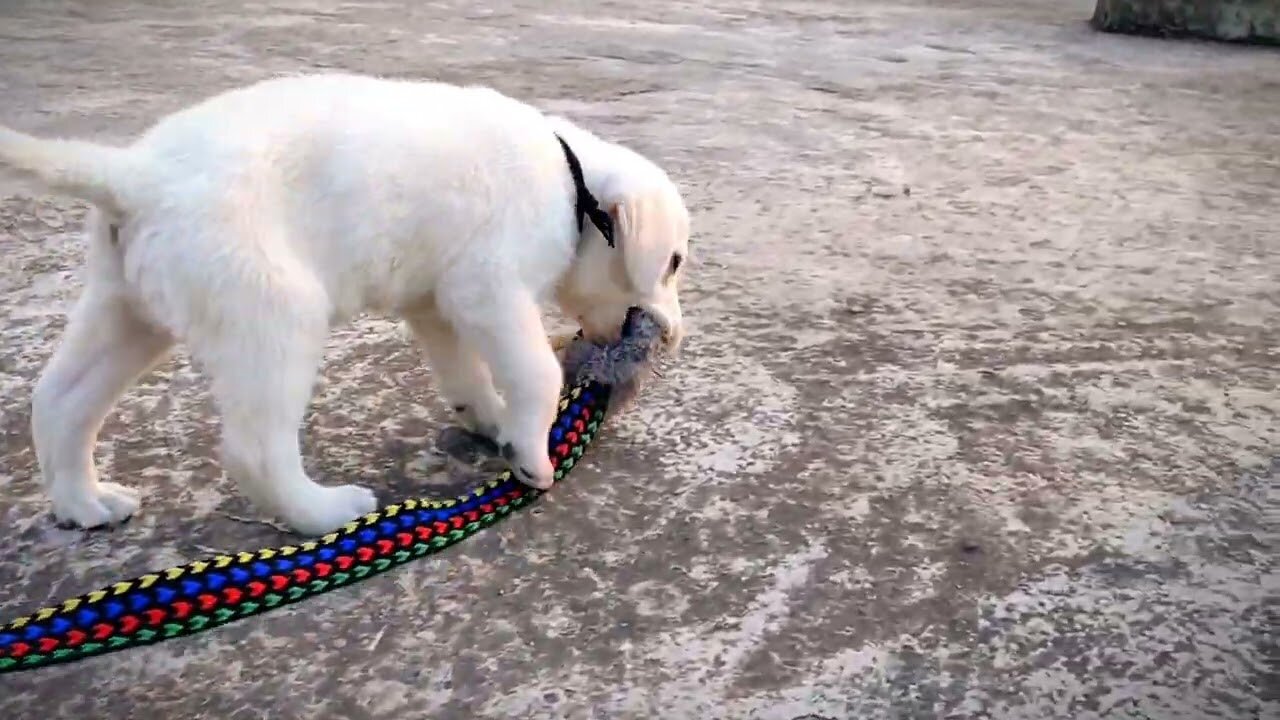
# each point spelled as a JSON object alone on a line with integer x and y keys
{"x": 672, "y": 328}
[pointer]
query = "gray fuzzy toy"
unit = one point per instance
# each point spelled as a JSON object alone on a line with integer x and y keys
{"x": 623, "y": 365}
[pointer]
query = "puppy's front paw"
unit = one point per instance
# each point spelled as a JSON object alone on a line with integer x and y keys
{"x": 479, "y": 410}
{"x": 531, "y": 467}
{"x": 112, "y": 504}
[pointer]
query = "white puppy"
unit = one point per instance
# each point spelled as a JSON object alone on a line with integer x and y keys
{"x": 248, "y": 225}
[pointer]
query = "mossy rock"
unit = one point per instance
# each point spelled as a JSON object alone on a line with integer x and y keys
{"x": 1246, "y": 21}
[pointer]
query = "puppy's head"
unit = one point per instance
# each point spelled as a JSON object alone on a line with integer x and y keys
{"x": 651, "y": 233}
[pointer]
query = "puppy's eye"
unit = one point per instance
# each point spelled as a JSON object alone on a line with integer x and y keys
{"x": 676, "y": 260}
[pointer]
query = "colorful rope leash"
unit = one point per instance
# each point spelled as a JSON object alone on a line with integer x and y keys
{"x": 204, "y": 594}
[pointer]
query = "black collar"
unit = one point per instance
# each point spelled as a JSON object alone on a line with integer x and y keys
{"x": 585, "y": 204}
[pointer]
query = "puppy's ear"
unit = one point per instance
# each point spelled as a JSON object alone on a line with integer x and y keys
{"x": 639, "y": 237}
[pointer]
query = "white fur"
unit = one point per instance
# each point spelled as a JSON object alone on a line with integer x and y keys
{"x": 248, "y": 225}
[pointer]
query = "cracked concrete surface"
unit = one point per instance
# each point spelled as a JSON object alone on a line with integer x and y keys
{"x": 978, "y": 418}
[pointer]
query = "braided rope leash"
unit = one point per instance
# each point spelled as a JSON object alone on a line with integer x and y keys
{"x": 205, "y": 594}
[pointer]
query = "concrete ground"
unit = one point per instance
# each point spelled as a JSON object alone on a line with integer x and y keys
{"x": 978, "y": 418}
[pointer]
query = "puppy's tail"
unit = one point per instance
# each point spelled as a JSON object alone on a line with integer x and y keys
{"x": 82, "y": 169}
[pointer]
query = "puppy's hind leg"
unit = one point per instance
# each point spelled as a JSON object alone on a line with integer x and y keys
{"x": 105, "y": 349}
{"x": 263, "y": 373}
{"x": 505, "y": 326}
